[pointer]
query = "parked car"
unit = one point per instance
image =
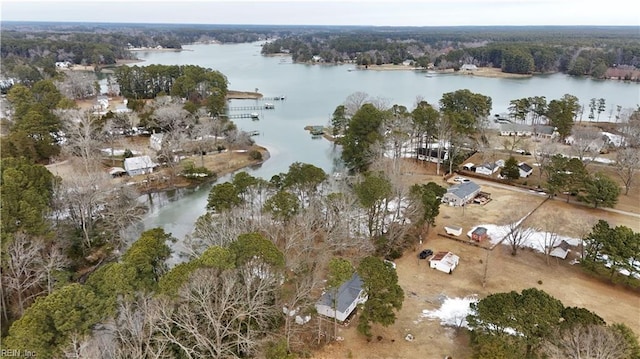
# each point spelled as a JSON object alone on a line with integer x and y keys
{"x": 461, "y": 180}
{"x": 426, "y": 253}
{"x": 390, "y": 263}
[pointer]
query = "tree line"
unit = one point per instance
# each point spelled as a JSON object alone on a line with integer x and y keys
{"x": 533, "y": 324}
{"x": 540, "y": 52}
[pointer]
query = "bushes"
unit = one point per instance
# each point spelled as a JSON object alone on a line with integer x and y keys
{"x": 255, "y": 155}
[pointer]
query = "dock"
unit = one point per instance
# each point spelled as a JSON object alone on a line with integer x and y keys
{"x": 277, "y": 98}
{"x": 254, "y": 116}
{"x": 266, "y": 106}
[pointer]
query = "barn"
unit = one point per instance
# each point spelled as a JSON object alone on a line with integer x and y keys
{"x": 444, "y": 262}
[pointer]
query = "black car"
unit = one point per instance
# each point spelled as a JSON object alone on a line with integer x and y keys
{"x": 425, "y": 254}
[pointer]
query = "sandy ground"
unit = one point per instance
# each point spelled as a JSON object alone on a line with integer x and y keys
{"x": 492, "y": 72}
{"x": 425, "y": 288}
{"x": 481, "y": 71}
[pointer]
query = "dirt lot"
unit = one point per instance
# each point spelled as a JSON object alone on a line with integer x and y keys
{"x": 425, "y": 288}
{"x": 220, "y": 163}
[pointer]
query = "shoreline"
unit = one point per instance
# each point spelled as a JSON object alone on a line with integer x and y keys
{"x": 219, "y": 173}
{"x": 153, "y": 49}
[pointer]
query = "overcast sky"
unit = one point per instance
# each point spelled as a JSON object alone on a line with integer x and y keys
{"x": 331, "y": 12}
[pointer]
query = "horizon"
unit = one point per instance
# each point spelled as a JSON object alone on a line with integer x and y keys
{"x": 307, "y": 25}
{"x": 361, "y": 13}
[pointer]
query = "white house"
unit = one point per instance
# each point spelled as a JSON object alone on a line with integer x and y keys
{"x": 468, "y": 67}
{"x": 102, "y": 103}
{"x": 488, "y": 168}
{"x": 155, "y": 141}
{"x": 139, "y": 165}
{"x": 347, "y": 298}
{"x": 525, "y": 170}
{"x": 461, "y": 193}
{"x": 444, "y": 262}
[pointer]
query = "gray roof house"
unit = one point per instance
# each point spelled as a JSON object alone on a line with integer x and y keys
{"x": 139, "y": 165}
{"x": 461, "y": 193}
{"x": 488, "y": 168}
{"x": 525, "y": 170}
{"x": 348, "y": 296}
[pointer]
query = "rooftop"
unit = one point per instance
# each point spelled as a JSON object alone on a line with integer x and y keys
{"x": 346, "y": 295}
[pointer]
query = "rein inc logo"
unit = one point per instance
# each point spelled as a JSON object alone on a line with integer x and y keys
{"x": 17, "y": 353}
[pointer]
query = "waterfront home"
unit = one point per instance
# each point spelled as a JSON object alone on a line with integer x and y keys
{"x": 139, "y": 165}
{"x": 469, "y": 67}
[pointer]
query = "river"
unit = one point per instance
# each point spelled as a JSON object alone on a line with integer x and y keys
{"x": 313, "y": 92}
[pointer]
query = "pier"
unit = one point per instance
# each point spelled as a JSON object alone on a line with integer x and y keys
{"x": 277, "y": 98}
{"x": 266, "y": 106}
{"x": 242, "y": 115}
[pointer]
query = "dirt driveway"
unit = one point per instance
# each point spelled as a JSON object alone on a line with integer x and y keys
{"x": 426, "y": 288}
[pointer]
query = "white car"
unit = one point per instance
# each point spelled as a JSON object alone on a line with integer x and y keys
{"x": 461, "y": 180}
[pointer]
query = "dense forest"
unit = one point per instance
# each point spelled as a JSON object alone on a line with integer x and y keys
{"x": 579, "y": 51}
{"x": 583, "y": 51}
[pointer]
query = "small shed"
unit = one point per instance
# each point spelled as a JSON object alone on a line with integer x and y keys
{"x": 347, "y": 297}
{"x": 479, "y": 234}
{"x": 453, "y": 230}
{"x": 139, "y": 165}
{"x": 561, "y": 250}
{"x": 444, "y": 262}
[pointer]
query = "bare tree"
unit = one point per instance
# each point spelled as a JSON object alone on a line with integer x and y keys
{"x": 587, "y": 142}
{"x": 77, "y": 85}
{"x": 79, "y": 199}
{"x": 136, "y": 329}
{"x": 550, "y": 224}
{"x": 518, "y": 234}
{"x": 444, "y": 131}
{"x": 219, "y": 314}
{"x": 542, "y": 153}
{"x": 53, "y": 261}
{"x": 23, "y": 273}
{"x": 354, "y": 102}
{"x": 298, "y": 303}
{"x": 627, "y": 163}
{"x": 83, "y": 137}
{"x": 120, "y": 211}
{"x": 590, "y": 341}
{"x": 630, "y": 127}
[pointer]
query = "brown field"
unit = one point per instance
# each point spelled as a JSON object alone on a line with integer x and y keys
{"x": 424, "y": 288}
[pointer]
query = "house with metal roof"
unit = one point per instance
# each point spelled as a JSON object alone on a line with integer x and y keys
{"x": 139, "y": 165}
{"x": 345, "y": 299}
{"x": 461, "y": 193}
